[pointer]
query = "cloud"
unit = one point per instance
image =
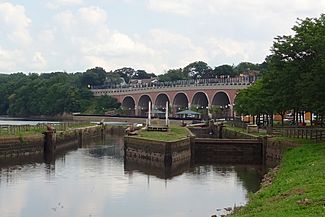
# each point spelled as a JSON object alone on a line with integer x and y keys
{"x": 93, "y": 15}
{"x": 56, "y": 4}
{"x": 79, "y": 34}
{"x": 38, "y": 61}
{"x": 174, "y": 49}
{"x": 182, "y": 7}
{"x": 8, "y": 59}
{"x": 15, "y": 24}
{"x": 227, "y": 50}
{"x": 91, "y": 43}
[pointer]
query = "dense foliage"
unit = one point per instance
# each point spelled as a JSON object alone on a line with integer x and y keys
{"x": 295, "y": 75}
{"x": 51, "y": 94}
{"x": 201, "y": 70}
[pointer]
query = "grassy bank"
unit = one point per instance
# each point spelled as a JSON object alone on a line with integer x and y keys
{"x": 297, "y": 188}
{"x": 27, "y": 130}
{"x": 174, "y": 133}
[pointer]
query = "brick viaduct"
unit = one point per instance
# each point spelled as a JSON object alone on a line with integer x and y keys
{"x": 135, "y": 100}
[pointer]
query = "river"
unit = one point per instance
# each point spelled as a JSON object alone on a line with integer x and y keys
{"x": 96, "y": 181}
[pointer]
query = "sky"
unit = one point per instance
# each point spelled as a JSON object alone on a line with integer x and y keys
{"x": 154, "y": 35}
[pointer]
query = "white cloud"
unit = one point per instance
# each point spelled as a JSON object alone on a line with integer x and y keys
{"x": 174, "y": 49}
{"x": 86, "y": 35}
{"x": 93, "y": 15}
{"x": 74, "y": 2}
{"x": 56, "y": 4}
{"x": 227, "y": 49}
{"x": 39, "y": 62}
{"x": 189, "y": 7}
{"x": 14, "y": 23}
{"x": 80, "y": 34}
{"x": 182, "y": 7}
{"x": 8, "y": 59}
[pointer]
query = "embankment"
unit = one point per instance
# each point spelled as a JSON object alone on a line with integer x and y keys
{"x": 296, "y": 189}
{"x": 16, "y": 147}
{"x": 296, "y": 186}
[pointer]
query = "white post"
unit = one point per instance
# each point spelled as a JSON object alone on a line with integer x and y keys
{"x": 149, "y": 114}
{"x": 166, "y": 115}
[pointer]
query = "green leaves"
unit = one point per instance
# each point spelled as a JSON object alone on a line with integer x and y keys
{"x": 295, "y": 75}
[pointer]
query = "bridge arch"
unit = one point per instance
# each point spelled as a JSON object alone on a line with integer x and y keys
{"x": 200, "y": 103}
{"x": 161, "y": 100}
{"x": 221, "y": 104}
{"x": 128, "y": 105}
{"x": 143, "y": 105}
{"x": 180, "y": 102}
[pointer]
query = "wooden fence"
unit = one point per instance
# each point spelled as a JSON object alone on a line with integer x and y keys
{"x": 316, "y": 134}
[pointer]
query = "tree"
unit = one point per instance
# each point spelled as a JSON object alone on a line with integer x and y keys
{"x": 142, "y": 74}
{"x": 94, "y": 76}
{"x": 245, "y": 66}
{"x": 197, "y": 70}
{"x": 173, "y": 75}
{"x": 224, "y": 70}
{"x": 126, "y": 73}
{"x": 299, "y": 60}
{"x": 113, "y": 78}
{"x": 294, "y": 74}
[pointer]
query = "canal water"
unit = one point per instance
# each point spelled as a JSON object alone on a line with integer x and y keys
{"x": 95, "y": 181}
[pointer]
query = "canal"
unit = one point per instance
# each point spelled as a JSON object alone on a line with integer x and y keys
{"x": 96, "y": 181}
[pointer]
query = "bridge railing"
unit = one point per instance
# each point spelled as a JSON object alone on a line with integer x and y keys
{"x": 182, "y": 83}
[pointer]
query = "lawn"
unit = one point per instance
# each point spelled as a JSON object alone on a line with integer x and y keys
{"x": 174, "y": 133}
{"x": 298, "y": 187}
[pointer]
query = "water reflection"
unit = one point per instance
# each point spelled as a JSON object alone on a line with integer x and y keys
{"x": 96, "y": 181}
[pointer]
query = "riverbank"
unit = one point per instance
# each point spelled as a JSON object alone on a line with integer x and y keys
{"x": 296, "y": 187}
{"x": 13, "y": 147}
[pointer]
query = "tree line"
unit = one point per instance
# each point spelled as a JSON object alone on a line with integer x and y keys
{"x": 49, "y": 94}
{"x": 57, "y": 93}
{"x": 196, "y": 70}
{"x": 294, "y": 79}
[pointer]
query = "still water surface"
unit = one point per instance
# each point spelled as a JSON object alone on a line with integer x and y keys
{"x": 95, "y": 181}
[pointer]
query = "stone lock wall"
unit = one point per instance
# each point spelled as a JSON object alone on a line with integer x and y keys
{"x": 167, "y": 153}
{"x": 13, "y": 147}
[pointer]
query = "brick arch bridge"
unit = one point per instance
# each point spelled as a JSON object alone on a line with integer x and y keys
{"x": 135, "y": 100}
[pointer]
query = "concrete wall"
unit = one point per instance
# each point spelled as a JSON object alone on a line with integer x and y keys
{"x": 159, "y": 152}
{"x": 237, "y": 151}
{"x": 14, "y": 147}
{"x": 275, "y": 150}
{"x": 18, "y": 147}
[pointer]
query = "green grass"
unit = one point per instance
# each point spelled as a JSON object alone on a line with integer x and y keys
{"x": 298, "y": 188}
{"x": 174, "y": 133}
{"x": 38, "y": 129}
{"x": 241, "y": 130}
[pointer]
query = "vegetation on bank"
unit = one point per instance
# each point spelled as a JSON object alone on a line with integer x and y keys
{"x": 296, "y": 189}
{"x": 26, "y": 130}
{"x": 51, "y": 94}
{"x": 174, "y": 133}
{"x": 294, "y": 77}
